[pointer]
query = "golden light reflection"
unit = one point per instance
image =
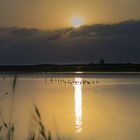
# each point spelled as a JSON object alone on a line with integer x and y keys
{"x": 78, "y": 104}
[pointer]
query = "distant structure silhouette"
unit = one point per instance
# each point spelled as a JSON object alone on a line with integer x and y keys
{"x": 102, "y": 62}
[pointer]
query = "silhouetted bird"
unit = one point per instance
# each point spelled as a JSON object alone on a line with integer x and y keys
{"x": 97, "y": 82}
{"x": 6, "y": 93}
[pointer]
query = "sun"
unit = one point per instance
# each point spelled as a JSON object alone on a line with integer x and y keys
{"x": 77, "y": 22}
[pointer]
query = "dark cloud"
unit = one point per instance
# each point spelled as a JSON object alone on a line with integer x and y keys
{"x": 115, "y": 43}
{"x": 25, "y": 32}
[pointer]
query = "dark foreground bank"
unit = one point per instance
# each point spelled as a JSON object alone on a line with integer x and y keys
{"x": 72, "y": 68}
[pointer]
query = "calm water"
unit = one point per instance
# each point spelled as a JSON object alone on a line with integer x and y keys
{"x": 75, "y": 106}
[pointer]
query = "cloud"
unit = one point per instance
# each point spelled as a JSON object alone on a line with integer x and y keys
{"x": 115, "y": 43}
{"x": 25, "y": 32}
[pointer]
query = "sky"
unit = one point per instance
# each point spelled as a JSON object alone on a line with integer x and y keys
{"x": 56, "y": 14}
{"x": 40, "y": 31}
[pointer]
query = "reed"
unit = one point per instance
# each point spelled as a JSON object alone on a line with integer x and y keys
{"x": 7, "y": 128}
{"x": 40, "y": 132}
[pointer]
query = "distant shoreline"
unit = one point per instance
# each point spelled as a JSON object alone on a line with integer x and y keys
{"x": 79, "y": 68}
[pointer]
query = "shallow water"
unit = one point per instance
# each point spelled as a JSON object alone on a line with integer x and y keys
{"x": 98, "y": 106}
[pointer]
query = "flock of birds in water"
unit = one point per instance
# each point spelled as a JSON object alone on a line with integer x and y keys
{"x": 70, "y": 82}
{"x": 74, "y": 82}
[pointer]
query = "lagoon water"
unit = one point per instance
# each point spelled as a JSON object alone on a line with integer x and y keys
{"x": 96, "y": 106}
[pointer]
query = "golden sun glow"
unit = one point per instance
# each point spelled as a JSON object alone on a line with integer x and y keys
{"x": 77, "y": 22}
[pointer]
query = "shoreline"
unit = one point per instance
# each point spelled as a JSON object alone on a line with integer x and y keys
{"x": 77, "y": 68}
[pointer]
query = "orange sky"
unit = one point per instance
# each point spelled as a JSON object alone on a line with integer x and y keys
{"x": 55, "y": 14}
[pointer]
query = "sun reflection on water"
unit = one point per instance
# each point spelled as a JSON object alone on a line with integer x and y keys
{"x": 78, "y": 104}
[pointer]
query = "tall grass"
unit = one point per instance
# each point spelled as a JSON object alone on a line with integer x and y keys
{"x": 8, "y": 131}
{"x": 42, "y": 131}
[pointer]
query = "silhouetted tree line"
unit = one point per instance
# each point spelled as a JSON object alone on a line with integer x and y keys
{"x": 72, "y": 68}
